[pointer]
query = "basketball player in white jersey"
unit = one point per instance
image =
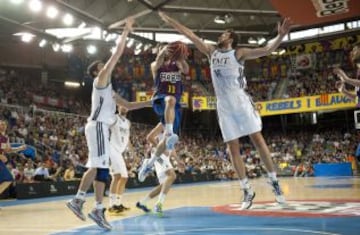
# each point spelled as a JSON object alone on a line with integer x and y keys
{"x": 164, "y": 172}
{"x": 236, "y": 111}
{"x": 103, "y": 106}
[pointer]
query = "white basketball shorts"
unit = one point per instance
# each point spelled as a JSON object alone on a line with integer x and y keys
{"x": 162, "y": 165}
{"x": 97, "y": 139}
{"x": 117, "y": 162}
{"x": 237, "y": 116}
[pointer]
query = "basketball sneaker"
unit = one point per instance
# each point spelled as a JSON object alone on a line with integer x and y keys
{"x": 114, "y": 211}
{"x": 249, "y": 196}
{"x": 142, "y": 207}
{"x": 279, "y": 196}
{"x": 171, "y": 140}
{"x": 122, "y": 208}
{"x": 144, "y": 170}
{"x": 158, "y": 210}
{"x": 76, "y": 205}
{"x": 98, "y": 216}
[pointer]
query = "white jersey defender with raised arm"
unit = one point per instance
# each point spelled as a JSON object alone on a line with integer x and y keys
{"x": 102, "y": 115}
{"x": 119, "y": 140}
{"x": 237, "y": 114}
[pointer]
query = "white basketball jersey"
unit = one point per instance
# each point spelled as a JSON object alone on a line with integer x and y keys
{"x": 120, "y": 134}
{"x": 227, "y": 73}
{"x": 103, "y": 105}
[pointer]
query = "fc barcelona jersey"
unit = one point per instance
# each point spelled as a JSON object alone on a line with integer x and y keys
{"x": 168, "y": 81}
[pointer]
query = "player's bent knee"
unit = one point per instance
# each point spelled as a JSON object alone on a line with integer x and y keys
{"x": 102, "y": 175}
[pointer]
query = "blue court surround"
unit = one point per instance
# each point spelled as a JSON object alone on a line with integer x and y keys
{"x": 203, "y": 220}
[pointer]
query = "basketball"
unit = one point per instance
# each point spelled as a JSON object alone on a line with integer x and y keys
{"x": 177, "y": 50}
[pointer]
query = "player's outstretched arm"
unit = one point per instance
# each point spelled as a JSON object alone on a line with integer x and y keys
{"x": 342, "y": 75}
{"x": 158, "y": 61}
{"x": 341, "y": 88}
{"x": 248, "y": 54}
{"x": 105, "y": 72}
{"x": 131, "y": 105}
{"x": 203, "y": 47}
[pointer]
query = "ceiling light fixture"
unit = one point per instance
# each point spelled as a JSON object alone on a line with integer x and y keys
{"x": 219, "y": 20}
{"x": 52, "y": 12}
{"x": 35, "y": 5}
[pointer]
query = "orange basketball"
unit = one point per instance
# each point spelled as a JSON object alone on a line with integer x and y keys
{"x": 178, "y": 50}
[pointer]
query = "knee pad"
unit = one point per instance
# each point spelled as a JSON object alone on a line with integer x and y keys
{"x": 102, "y": 175}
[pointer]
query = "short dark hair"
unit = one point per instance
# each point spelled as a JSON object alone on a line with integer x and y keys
{"x": 93, "y": 67}
{"x": 234, "y": 37}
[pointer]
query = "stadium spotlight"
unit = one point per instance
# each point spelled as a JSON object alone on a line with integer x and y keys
{"x": 56, "y": 47}
{"x": 82, "y": 25}
{"x": 71, "y": 84}
{"x": 26, "y": 37}
{"x": 252, "y": 41}
{"x": 52, "y": 12}
{"x": 138, "y": 46}
{"x": 42, "y": 43}
{"x": 68, "y": 19}
{"x": 219, "y": 20}
{"x": 130, "y": 43}
{"x": 282, "y": 51}
{"x": 66, "y": 48}
{"x": 91, "y": 49}
{"x": 35, "y": 5}
{"x": 261, "y": 40}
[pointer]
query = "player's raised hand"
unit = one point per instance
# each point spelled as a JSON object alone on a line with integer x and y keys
{"x": 285, "y": 26}
{"x": 339, "y": 86}
{"x": 340, "y": 73}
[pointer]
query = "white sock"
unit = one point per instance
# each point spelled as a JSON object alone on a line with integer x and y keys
{"x": 169, "y": 128}
{"x": 161, "y": 198}
{"x": 118, "y": 199}
{"x": 272, "y": 176}
{"x": 112, "y": 199}
{"x": 80, "y": 195}
{"x": 244, "y": 184}
{"x": 99, "y": 206}
{"x": 145, "y": 200}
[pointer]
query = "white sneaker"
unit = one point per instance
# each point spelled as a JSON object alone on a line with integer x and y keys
{"x": 279, "y": 196}
{"x": 171, "y": 140}
{"x": 144, "y": 170}
{"x": 249, "y": 196}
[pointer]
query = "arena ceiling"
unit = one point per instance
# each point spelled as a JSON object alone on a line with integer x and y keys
{"x": 249, "y": 18}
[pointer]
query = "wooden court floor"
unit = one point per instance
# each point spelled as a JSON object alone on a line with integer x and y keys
{"x": 46, "y": 217}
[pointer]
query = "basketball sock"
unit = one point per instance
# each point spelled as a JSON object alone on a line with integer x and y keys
{"x": 244, "y": 184}
{"x": 161, "y": 198}
{"x": 99, "y": 206}
{"x": 118, "y": 199}
{"x": 145, "y": 200}
{"x": 112, "y": 199}
{"x": 272, "y": 176}
{"x": 169, "y": 128}
{"x": 80, "y": 195}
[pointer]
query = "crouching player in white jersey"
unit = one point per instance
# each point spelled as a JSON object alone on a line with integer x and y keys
{"x": 103, "y": 106}
{"x": 164, "y": 172}
{"x": 237, "y": 114}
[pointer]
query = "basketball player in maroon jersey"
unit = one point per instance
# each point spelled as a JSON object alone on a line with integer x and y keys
{"x": 167, "y": 73}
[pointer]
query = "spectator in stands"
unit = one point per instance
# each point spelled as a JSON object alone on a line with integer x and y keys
{"x": 29, "y": 173}
{"x": 42, "y": 173}
{"x": 69, "y": 174}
